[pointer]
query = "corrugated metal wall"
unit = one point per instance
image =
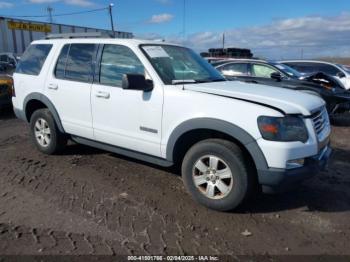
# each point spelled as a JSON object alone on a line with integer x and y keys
{"x": 16, "y": 41}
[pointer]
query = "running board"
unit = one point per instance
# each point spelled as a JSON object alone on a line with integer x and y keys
{"x": 122, "y": 151}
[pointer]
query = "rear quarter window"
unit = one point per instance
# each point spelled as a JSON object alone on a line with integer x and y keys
{"x": 33, "y": 59}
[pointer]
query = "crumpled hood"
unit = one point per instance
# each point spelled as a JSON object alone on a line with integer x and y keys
{"x": 289, "y": 101}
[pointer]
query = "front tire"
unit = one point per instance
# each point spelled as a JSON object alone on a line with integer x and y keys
{"x": 216, "y": 175}
{"x": 45, "y": 133}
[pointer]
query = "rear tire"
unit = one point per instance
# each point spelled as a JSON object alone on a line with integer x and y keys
{"x": 45, "y": 133}
{"x": 215, "y": 173}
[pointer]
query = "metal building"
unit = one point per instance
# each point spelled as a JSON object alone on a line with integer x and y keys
{"x": 17, "y": 34}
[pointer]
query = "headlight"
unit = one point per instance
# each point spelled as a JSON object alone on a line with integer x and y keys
{"x": 284, "y": 129}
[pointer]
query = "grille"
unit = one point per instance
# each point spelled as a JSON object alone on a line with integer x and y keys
{"x": 321, "y": 121}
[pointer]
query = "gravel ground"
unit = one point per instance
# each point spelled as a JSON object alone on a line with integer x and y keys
{"x": 88, "y": 201}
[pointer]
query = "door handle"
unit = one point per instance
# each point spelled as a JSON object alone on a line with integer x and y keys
{"x": 102, "y": 95}
{"x": 53, "y": 86}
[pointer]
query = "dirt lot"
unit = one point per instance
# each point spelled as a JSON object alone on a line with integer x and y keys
{"x": 87, "y": 201}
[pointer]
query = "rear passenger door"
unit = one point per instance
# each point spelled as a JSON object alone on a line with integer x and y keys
{"x": 125, "y": 118}
{"x": 69, "y": 87}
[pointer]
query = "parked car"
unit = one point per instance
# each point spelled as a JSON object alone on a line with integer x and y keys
{"x": 8, "y": 62}
{"x": 5, "y": 91}
{"x": 280, "y": 75}
{"x": 341, "y": 72}
{"x": 227, "y": 137}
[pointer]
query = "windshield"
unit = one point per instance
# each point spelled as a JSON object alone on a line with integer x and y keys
{"x": 180, "y": 65}
{"x": 288, "y": 70}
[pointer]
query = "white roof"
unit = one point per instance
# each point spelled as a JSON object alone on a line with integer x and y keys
{"x": 122, "y": 41}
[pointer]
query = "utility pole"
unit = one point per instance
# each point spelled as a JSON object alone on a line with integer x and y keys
{"x": 111, "y": 17}
{"x": 50, "y": 10}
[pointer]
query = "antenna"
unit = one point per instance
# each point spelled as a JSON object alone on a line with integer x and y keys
{"x": 184, "y": 22}
{"x": 184, "y": 34}
{"x": 49, "y": 9}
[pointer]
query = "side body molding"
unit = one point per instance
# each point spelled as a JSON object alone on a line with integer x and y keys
{"x": 42, "y": 98}
{"x": 221, "y": 126}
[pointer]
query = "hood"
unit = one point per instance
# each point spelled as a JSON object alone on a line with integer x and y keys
{"x": 288, "y": 101}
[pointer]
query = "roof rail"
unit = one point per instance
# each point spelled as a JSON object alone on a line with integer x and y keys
{"x": 78, "y": 35}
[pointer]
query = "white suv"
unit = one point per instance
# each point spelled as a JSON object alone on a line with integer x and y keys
{"x": 163, "y": 104}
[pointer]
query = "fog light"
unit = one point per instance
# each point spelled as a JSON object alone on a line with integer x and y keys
{"x": 295, "y": 163}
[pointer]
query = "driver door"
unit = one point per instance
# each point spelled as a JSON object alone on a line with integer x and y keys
{"x": 125, "y": 118}
{"x": 262, "y": 74}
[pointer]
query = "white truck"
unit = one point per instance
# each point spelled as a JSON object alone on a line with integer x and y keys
{"x": 162, "y": 103}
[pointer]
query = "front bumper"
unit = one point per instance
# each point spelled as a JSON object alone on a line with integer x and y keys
{"x": 275, "y": 180}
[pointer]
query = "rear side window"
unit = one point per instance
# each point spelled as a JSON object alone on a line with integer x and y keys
{"x": 33, "y": 59}
{"x": 75, "y": 62}
{"x": 115, "y": 62}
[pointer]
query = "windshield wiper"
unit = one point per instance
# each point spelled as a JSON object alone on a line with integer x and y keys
{"x": 219, "y": 80}
{"x": 193, "y": 81}
{"x": 184, "y": 81}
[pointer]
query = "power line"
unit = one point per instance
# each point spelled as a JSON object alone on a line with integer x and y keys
{"x": 62, "y": 14}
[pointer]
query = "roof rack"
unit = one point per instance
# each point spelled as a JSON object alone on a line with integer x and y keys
{"x": 78, "y": 35}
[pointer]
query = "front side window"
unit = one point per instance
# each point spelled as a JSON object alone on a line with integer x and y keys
{"x": 115, "y": 62}
{"x": 79, "y": 62}
{"x": 235, "y": 69}
{"x": 262, "y": 71}
{"x": 176, "y": 65}
{"x": 33, "y": 59}
{"x": 291, "y": 72}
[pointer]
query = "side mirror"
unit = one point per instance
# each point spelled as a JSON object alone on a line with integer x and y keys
{"x": 136, "y": 82}
{"x": 276, "y": 75}
{"x": 341, "y": 74}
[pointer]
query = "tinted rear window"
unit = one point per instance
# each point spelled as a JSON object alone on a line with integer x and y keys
{"x": 79, "y": 62}
{"x": 33, "y": 59}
